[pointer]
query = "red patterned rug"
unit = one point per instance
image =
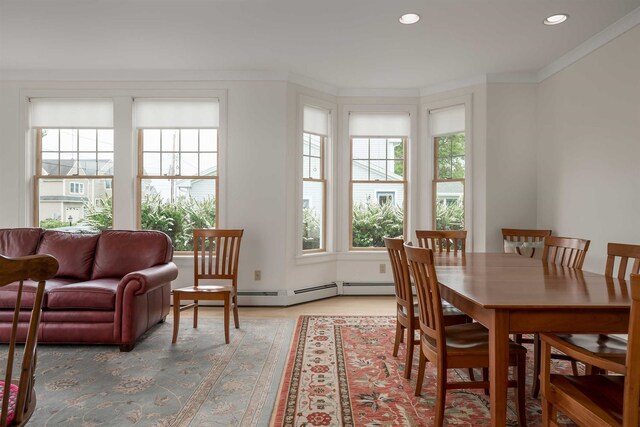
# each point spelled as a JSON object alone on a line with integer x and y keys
{"x": 341, "y": 372}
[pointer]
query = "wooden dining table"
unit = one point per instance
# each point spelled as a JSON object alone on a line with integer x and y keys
{"x": 509, "y": 293}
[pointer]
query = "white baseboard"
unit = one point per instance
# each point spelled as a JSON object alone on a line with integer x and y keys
{"x": 284, "y": 298}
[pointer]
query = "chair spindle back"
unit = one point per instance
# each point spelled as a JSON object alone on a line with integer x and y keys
{"x": 37, "y": 268}
{"x": 215, "y": 254}
{"x": 631, "y": 395}
{"x": 565, "y": 251}
{"x": 429, "y": 302}
{"x": 443, "y": 241}
{"x": 624, "y": 253}
{"x": 401, "y": 277}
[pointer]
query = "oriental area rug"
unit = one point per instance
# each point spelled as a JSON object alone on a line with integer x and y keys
{"x": 341, "y": 372}
{"x": 199, "y": 381}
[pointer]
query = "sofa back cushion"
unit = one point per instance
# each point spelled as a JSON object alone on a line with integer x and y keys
{"x": 16, "y": 242}
{"x": 121, "y": 252}
{"x": 73, "y": 251}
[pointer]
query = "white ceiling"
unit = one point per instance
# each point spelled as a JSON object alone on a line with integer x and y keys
{"x": 345, "y": 43}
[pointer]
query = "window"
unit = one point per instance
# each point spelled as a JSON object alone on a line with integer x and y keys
{"x": 448, "y": 132}
{"x": 385, "y": 197}
{"x": 314, "y": 184}
{"x": 74, "y": 163}
{"x": 378, "y": 183}
{"x": 178, "y": 167}
{"x": 76, "y": 188}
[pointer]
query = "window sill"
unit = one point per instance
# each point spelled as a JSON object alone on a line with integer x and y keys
{"x": 315, "y": 258}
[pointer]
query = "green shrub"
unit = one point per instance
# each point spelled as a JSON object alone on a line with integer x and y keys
{"x": 449, "y": 216}
{"x": 372, "y": 222}
{"x": 177, "y": 219}
{"x": 53, "y": 223}
{"x": 311, "y": 229}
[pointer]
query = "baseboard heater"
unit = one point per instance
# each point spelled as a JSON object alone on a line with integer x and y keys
{"x": 258, "y": 293}
{"x": 315, "y": 288}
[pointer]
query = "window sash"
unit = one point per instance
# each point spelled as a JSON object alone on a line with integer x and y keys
{"x": 322, "y": 180}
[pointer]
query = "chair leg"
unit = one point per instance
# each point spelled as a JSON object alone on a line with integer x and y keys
{"x": 421, "y": 365}
{"x": 485, "y": 377}
{"x": 226, "y": 318}
{"x": 574, "y": 367}
{"x": 535, "y": 387}
{"x": 409, "y": 356}
{"x": 236, "y": 319}
{"x": 176, "y": 317}
{"x": 396, "y": 343}
{"x": 472, "y": 375}
{"x": 521, "y": 379}
{"x": 195, "y": 314}
{"x": 441, "y": 394}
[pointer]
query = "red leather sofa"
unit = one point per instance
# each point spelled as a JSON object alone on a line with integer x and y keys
{"x": 110, "y": 287}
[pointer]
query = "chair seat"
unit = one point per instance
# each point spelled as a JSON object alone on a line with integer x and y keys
{"x": 471, "y": 339}
{"x": 604, "y": 346}
{"x": 206, "y": 289}
{"x": 606, "y": 392}
{"x": 13, "y": 397}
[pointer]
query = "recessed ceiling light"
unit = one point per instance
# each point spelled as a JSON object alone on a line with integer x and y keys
{"x": 409, "y": 18}
{"x": 556, "y": 19}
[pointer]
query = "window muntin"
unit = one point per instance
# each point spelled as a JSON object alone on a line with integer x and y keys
{"x": 378, "y": 165}
{"x": 449, "y": 181}
{"x": 313, "y": 192}
{"x": 178, "y": 182}
{"x": 73, "y": 182}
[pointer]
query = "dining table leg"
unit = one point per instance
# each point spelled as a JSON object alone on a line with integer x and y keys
{"x": 498, "y": 366}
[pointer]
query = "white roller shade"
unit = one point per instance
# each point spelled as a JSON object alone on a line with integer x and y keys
{"x": 379, "y": 124}
{"x": 71, "y": 113}
{"x": 316, "y": 120}
{"x": 177, "y": 113}
{"x": 447, "y": 120}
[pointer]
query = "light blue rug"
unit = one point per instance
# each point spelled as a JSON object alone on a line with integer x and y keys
{"x": 199, "y": 381}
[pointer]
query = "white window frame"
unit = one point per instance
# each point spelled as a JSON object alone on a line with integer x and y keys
{"x": 125, "y": 147}
{"x": 305, "y": 257}
{"x": 344, "y": 166}
{"x": 427, "y": 158}
{"x": 79, "y": 185}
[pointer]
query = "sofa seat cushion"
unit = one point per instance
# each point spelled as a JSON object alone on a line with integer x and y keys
{"x": 95, "y": 295}
{"x": 16, "y": 242}
{"x": 73, "y": 251}
{"x": 8, "y": 293}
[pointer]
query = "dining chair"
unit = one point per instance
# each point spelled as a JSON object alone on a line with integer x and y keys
{"x": 407, "y": 313}
{"x": 610, "y": 347}
{"x": 26, "y": 275}
{"x": 215, "y": 260}
{"x": 443, "y": 240}
{"x": 456, "y": 346}
{"x": 566, "y": 252}
{"x": 595, "y": 400}
{"x": 523, "y": 242}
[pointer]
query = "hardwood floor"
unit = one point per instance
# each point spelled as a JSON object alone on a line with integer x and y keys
{"x": 336, "y": 306}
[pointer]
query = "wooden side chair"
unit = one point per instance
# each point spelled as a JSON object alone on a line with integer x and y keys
{"x": 407, "y": 312}
{"x": 524, "y": 242}
{"x": 595, "y": 400}
{"x": 443, "y": 241}
{"x": 18, "y": 396}
{"x": 456, "y": 346}
{"x": 609, "y": 347}
{"x": 566, "y": 252}
{"x": 215, "y": 258}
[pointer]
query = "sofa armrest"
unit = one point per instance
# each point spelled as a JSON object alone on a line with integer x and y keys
{"x": 150, "y": 278}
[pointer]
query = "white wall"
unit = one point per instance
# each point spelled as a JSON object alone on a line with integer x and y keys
{"x": 589, "y": 148}
{"x": 511, "y": 160}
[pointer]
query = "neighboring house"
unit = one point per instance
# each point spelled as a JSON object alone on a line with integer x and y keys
{"x": 199, "y": 189}
{"x": 63, "y": 199}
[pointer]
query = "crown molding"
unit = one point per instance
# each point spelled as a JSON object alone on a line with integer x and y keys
{"x": 453, "y": 85}
{"x": 356, "y": 92}
{"x": 518, "y": 77}
{"x": 613, "y": 31}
